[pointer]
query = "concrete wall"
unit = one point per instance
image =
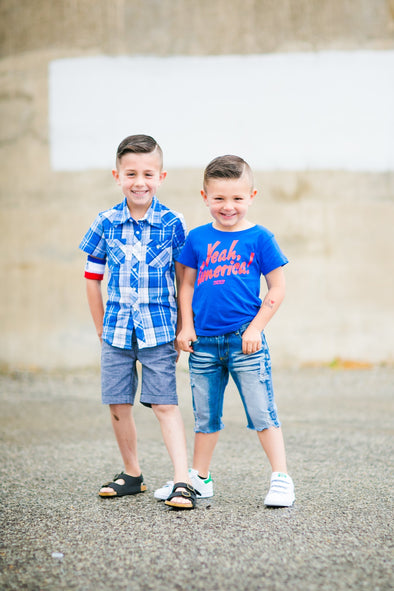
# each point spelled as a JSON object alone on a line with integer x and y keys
{"x": 335, "y": 226}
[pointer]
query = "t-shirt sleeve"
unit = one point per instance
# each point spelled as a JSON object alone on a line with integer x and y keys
{"x": 271, "y": 256}
{"x": 179, "y": 237}
{"x": 188, "y": 256}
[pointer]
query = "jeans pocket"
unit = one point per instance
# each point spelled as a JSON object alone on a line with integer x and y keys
{"x": 241, "y": 330}
{"x": 195, "y": 344}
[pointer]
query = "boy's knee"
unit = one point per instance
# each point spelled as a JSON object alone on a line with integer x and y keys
{"x": 119, "y": 411}
{"x": 164, "y": 409}
{"x": 119, "y": 407}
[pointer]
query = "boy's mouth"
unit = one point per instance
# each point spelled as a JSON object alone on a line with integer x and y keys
{"x": 141, "y": 193}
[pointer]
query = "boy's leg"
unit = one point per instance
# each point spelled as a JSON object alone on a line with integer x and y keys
{"x": 272, "y": 441}
{"x": 204, "y": 446}
{"x": 158, "y": 390}
{"x": 173, "y": 431}
{"x": 281, "y": 491}
{"x": 208, "y": 380}
{"x": 126, "y": 435}
{"x": 119, "y": 384}
{"x": 252, "y": 375}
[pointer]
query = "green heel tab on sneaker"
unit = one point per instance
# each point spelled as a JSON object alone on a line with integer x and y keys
{"x": 207, "y": 479}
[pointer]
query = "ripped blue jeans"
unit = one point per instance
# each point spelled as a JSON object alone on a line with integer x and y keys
{"x": 211, "y": 363}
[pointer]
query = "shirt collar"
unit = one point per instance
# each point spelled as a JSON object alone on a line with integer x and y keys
{"x": 152, "y": 216}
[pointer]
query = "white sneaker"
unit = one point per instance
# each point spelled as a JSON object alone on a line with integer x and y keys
{"x": 164, "y": 492}
{"x": 281, "y": 492}
{"x": 204, "y": 487}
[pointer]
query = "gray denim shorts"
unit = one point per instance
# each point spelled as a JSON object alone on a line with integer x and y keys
{"x": 119, "y": 377}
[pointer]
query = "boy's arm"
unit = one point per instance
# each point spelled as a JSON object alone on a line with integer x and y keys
{"x": 251, "y": 339}
{"x": 179, "y": 270}
{"x": 185, "y": 297}
{"x": 178, "y": 279}
{"x": 96, "y": 306}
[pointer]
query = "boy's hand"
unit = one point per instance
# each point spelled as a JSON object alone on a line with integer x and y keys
{"x": 251, "y": 340}
{"x": 184, "y": 338}
{"x": 177, "y": 349}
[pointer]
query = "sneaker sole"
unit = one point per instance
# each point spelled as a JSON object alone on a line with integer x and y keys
{"x": 279, "y": 504}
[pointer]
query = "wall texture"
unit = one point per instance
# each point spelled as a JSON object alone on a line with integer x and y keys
{"x": 335, "y": 226}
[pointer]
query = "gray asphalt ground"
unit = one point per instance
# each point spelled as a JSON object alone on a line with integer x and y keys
{"x": 57, "y": 448}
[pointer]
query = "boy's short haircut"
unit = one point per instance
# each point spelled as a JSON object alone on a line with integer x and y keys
{"x": 227, "y": 167}
{"x": 138, "y": 144}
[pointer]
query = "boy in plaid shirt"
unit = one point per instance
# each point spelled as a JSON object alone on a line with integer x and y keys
{"x": 139, "y": 240}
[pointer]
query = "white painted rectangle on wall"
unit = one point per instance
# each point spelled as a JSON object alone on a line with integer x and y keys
{"x": 295, "y": 111}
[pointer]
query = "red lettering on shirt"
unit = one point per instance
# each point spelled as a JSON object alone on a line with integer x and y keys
{"x": 216, "y": 256}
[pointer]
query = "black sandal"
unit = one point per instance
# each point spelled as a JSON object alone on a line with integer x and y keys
{"x": 132, "y": 486}
{"x": 190, "y": 494}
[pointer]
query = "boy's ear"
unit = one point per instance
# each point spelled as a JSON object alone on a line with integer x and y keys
{"x": 115, "y": 174}
{"x": 252, "y": 196}
{"x": 163, "y": 175}
{"x": 204, "y": 196}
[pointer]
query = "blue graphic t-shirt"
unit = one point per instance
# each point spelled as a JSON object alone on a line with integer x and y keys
{"x": 229, "y": 267}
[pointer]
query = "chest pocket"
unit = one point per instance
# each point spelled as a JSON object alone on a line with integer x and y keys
{"x": 159, "y": 254}
{"x": 116, "y": 251}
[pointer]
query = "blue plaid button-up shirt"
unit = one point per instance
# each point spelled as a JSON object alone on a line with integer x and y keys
{"x": 141, "y": 272}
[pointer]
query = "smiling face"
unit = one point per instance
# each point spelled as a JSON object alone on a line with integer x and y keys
{"x": 139, "y": 175}
{"x": 228, "y": 201}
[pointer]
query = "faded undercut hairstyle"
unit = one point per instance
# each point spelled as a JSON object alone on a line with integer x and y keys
{"x": 138, "y": 144}
{"x": 227, "y": 167}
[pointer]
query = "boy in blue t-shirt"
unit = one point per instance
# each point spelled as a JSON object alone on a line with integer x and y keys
{"x": 139, "y": 240}
{"x": 223, "y": 319}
